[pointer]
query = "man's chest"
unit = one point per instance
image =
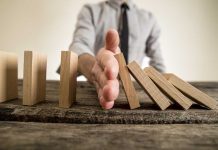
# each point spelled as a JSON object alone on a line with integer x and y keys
{"x": 139, "y": 28}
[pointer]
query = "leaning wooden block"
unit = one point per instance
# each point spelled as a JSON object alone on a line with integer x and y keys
{"x": 191, "y": 91}
{"x": 168, "y": 88}
{"x": 34, "y": 78}
{"x": 8, "y": 76}
{"x": 127, "y": 82}
{"x": 68, "y": 75}
{"x": 150, "y": 88}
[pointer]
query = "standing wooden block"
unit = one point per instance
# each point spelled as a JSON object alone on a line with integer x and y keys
{"x": 68, "y": 75}
{"x": 194, "y": 93}
{"x": 8, "y": 76}
{"x": 34, "y": 78}
{"x": 168, "y": 88}
{"x": 149, "y": 87}
{"x": 128, "y": 86}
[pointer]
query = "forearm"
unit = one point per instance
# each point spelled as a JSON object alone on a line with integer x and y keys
{"x": 85, "y": 65}
{"x": 153, "y": 49}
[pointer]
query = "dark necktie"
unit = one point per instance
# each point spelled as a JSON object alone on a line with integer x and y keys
{"x": 124, "y": 31}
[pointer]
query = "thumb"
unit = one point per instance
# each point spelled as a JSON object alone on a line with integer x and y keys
{"x": 112, "y": 41}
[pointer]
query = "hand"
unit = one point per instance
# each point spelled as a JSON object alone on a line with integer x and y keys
{"x": 105, "y": 71}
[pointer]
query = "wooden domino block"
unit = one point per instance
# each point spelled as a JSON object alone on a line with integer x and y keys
{"x": 8, "y": 76}
{"x": 168, "y": 88}
{"x": 191, "y": 91}
{"x": 127, "y": 83}
{"x": 34, "y": 78}
{"x": 149, "y": 87}
{"x": 68, "y": 75}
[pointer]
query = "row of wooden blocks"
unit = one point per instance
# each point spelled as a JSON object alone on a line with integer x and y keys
{"x": 34, "y": 78}
{"x": 163, "y": 89}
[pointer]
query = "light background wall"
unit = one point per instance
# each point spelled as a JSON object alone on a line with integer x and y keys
{"x": 189, "y": 32}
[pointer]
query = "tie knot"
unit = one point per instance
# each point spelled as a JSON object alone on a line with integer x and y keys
{"x": 124, "y": 6}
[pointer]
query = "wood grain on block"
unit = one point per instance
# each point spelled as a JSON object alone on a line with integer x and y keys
{"x": 197, "y": 95}
{"x": 168, "y": 88}
{"x": 127, "y": 82}
{"x": 8, "y": 76}
{"x": 149, "y": 87}
{"x": 68, "y": 75}
{"x": 34, "y": 79}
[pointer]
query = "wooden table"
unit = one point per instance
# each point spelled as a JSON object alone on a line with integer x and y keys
{"x": 87, "y": 126}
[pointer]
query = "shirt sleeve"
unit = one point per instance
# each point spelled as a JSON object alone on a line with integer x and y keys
{"x": 153, "y": 50}
{"x": 84, "y": 34}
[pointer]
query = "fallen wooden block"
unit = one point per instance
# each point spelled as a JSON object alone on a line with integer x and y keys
{"x": 168, "y": 88}
{"x": 68, "y": 75}
{"x": 128, "y": 86}
{"x": 34, "y": 78}
{"x": 8, "y": 76}
{"x": 149, "y": 87}
{"x": 191, "y": 91}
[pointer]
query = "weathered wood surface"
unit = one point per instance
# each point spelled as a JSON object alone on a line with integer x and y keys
{"x": 22, "y": 136}
{"x": 87, "y": 109}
